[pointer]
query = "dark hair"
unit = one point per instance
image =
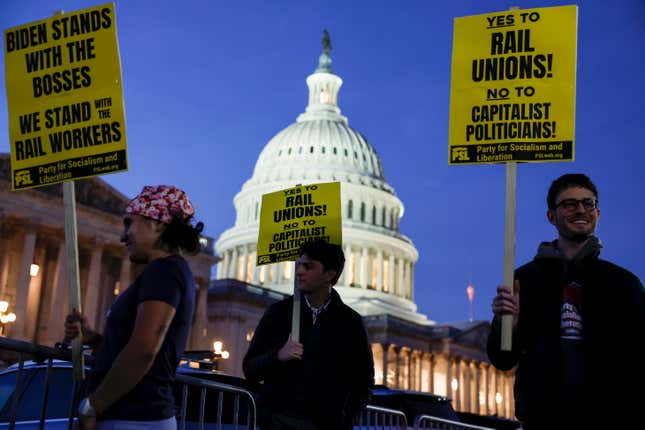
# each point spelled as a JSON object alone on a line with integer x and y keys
{"x": 180, "y": 234}
{"x": 569, "y": 180}
{"x": 331, "y": 256}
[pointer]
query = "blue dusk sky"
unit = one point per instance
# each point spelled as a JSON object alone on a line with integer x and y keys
{"x": 208, "y": 83}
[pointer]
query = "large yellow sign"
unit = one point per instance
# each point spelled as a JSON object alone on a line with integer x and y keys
{"x": 66, "y": 115}
{"x": 513, "y": 86}
{"x": 292, "y": 217}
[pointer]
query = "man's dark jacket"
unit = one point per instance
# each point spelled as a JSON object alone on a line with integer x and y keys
{"x": 333, "y": 380}
{"x": 613, "y": 321}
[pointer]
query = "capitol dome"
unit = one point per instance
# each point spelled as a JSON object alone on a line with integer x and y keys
{"x": 321, "y": 147}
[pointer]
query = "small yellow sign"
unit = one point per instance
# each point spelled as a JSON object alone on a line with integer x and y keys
{"x": 65, "y": 98}
{"x": 292, "y": 217}
{"x": 513, "y": 86}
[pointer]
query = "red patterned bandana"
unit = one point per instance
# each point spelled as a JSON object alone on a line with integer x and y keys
{"x": 161, "y": 203}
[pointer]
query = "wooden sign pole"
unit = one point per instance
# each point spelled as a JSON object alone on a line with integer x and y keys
{"x": 509, "y": 250}
{"x": 71, "y": 245}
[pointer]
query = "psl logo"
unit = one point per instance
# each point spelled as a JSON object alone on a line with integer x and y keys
{"x": 460, "y": 154}
{"x": 262, "y": 259}
{"x": 23, "y": 177}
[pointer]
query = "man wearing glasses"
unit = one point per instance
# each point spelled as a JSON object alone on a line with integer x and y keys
{"x": 578, "y": 337}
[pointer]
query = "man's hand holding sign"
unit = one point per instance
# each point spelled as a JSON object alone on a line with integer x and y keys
{"x": 312, "y": 354}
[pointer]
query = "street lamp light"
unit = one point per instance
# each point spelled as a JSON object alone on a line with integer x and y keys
{"x": 218, "y": 352}
{"x": 33, "y": 270}
{"x": 5, "y": 317}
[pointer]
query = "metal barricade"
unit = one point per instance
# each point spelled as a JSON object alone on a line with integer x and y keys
{"x": 427, "y": 422}
{"x": 240, "y": 412}
{"x": 45, "y": 356}
{"x": 209, "y": 418}
{"x": 378, "y": 418}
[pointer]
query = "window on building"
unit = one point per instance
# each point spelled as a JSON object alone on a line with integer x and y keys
{"x": 373, "y": 215}
{"x": 383, "y": 216}
{"x": 362, "y": 211}
{"x": 350, "y": 209}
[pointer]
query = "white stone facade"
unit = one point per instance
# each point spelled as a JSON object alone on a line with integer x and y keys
{"x": 321, "y": 147}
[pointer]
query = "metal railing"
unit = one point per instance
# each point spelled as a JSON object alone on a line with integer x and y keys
{"x": 242, "y": 415}
{"x": 427, "y": 422}
{"x": 378, "y": 418}
{"x": 235, "y": 407}
{"x": 46, "y": 355}
{"x": 216, "y": 417}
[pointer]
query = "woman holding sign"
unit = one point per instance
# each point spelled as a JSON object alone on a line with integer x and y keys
{"x": 147, "y": 326}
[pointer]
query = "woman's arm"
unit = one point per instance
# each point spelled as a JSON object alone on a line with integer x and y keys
{"x": 150, "y": 328}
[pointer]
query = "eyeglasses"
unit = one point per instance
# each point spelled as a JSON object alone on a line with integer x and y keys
{"x": 571, "y": 205}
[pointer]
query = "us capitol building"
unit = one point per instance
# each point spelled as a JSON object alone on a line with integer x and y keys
{"x": 411, "y": 352}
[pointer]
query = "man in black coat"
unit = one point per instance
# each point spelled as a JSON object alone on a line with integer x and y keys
{"x": 324, "y": 380}
{"x": 577, "y": 341}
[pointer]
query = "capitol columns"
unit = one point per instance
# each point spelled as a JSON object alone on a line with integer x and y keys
{"x": 198, "y": 330}
{"x": 232, "y": 268}
{"x": 474, "y": 387}
{"x": 346, "y": 271}
{"x": 456, "y": 393}
{"x": 93, "y": 288}
{"x": 245, "y": 264}
{"x": 390, "y": 275}
{"x": 60, "y": 293}
{"x": 7, "y": 232}
{"x": 379, "y": 270}
{"x": 363, "y": 279}
{"x": 23, "y": 286}
{"x": 35, "y": 291}
{"x": 400, "y": 288}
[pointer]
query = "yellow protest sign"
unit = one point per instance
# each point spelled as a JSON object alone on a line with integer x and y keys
{"x": 512, "y": 95}
{"x": 289, "y": 218}
{"x": 65, "y": 98}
